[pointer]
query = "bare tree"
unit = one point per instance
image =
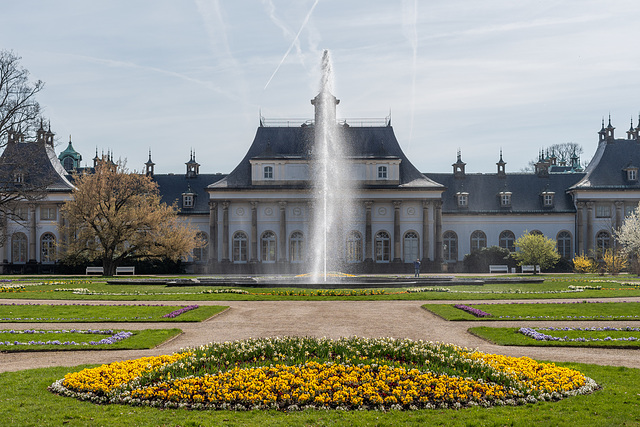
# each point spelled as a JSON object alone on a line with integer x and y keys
{"x": 116, "y": 215}
{"x": 563, "y": 152}
{"x": 19, "y": 108}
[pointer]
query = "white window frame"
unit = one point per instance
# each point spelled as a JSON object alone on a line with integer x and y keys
{"x": 383, "y": 172}
{"x": 268, "y": 172}
{"x": 187, "y": 200}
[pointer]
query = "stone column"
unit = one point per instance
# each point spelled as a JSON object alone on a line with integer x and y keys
{"x": 590, "y": 246}
{"x": 580, "y": 249}
{"x": 5, "y": 232}
{"x": 425, "y": 230}
{"x": 213, "y": 231}
{"x": 32, "y": 234}
{"x": 367, "y": 232}
{"x": 396, "y": 231}
{"x": 437, "y": 206}
{"x": 253, "y": 256}
{"x": 225, "y": 231}
{"x": 282, "y": 257}
{"x": 619, "y": 213}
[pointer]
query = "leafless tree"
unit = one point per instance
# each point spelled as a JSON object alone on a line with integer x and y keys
{"x": 19, "y": 108}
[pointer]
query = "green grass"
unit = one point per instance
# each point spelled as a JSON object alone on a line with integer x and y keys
{"x": 45, "y": 313}
{"x": 25, "y": 402}
{"x": 144, "y": 339}
{"x": 555, "y": 286}
{"x": 542, "y": 311}
{"x": 510, "y": 336}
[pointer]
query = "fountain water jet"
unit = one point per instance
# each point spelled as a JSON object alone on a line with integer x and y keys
{"x": 333, "y": 181}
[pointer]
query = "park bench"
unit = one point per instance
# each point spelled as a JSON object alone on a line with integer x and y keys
{"x": 530, "y": 269}
{"x": 95, "y": 270}
{"x": 498, "y": 269}
{"x": 125, "y": 270}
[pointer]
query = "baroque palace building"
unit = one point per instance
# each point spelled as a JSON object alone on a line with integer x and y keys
{"x": 258, "y": 218}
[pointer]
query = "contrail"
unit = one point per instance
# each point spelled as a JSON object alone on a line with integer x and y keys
{"x": 409, "y": 24}
{"x": 295, "y": 40}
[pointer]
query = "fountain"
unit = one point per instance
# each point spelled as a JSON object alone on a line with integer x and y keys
{"x": 333, "y": 182}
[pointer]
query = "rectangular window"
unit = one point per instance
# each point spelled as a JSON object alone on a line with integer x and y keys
{"x": 463, "y": 200}
{"x": 603, "y": 211}
{"x": 382, "y": 172}
{"x": 505, "y": 199}
{"x": 48, "y": 213}
{"x": 629, "y": 209}
{"x": 632, "y": 174}
{"x": 547, "y": 199}
{"x": 187, "y": 200}
{"x": 268, "y": 172}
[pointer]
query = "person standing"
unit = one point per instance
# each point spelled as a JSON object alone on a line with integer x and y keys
{"x": 416, "y": 268}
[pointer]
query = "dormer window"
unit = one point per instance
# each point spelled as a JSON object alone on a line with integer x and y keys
{"x": 632, "y": 174}
{"x": 268, "y": 172}
{"x": 505, "y": 199}
{"x": 382, "y": 172}
{"x": 463, "y": 199}
{"x": 187, "y": 200}
{"x": 547, "y": 199}
{"x": 18, "y": 178}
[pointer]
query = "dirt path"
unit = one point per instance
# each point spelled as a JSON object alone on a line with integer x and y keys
{"x": 332, "y": 319}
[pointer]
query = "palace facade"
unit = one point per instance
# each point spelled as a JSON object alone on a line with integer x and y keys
{"x": 258, "y": 217}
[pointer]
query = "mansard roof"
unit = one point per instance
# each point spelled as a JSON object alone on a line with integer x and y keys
{"x": 375, "y": 142}
{"x": 526, "y": 192}
{"x": 172, "y": 187}
{"x": 606, "y": 170}
{"x": 39, "y": 162}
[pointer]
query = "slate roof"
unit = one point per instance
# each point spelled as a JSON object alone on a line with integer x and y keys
{"x": 526, "y": 189}
{"x": 172, "y": 186}
{"x": 297, "y": 142}
{"x": 606, "y": 169}
{"x": 29, "y": 157}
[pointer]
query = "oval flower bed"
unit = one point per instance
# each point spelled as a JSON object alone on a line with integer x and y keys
{"x": 294, "y": 373}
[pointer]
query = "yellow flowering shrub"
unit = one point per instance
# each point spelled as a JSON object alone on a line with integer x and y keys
{"x": 584, "y": 264}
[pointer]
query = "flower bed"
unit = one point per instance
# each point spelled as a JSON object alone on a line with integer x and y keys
{"x": 12, "y": 288}
{"x": 540, "y": 336}
{"x": 475, "y": 311}
{"x": 113, "y": 337}
{"x": 178, "y": 312}
{"x": 293, "y": 373}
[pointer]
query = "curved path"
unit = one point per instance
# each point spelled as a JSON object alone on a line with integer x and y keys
{"x": 332, "y": 319}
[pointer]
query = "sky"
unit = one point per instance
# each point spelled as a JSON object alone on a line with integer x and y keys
{"x": 178, "y": 76}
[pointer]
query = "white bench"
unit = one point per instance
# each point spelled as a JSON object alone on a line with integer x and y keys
{"x": 94, "y": 270}
{"x": 125, "y": 270}
{"x": 498, "y": 269}
{"x": 530, "y": 269}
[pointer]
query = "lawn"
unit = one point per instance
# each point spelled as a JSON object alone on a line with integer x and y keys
{"x": 578, "y": 310}
{"x": 46, "y": 313}
{"x": 144, "y": 339}
{"x": 26, "y": 401}
{"x": 555, "y": 286}
{"x": 511, "y": 336}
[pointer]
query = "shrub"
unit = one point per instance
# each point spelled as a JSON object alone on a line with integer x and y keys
{"x": 614, "y": 261}
{"x": 584, "y": 264}
{"x": 479, "y": 261}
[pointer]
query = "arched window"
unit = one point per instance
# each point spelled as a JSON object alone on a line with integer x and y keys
{"x": 383, "y": 247}
{"x": 268, "y": 246}
{"x": 478, "y": 240}
{"x": 507, "y": 240}
{"x": 239, "y": 247}
{"x": 202, "y": 253}
{"x": 536, "y": 233}
{"x": 411, "y": 248}
{"x": 354, "y": 247}
{"x": 19, "y": 247}
{"x": 603, "y": 242}
{"x": 296, "y": 247}
{"x": 268, "y": 172}
{"x": 450, "y": 246}
{"x": 48, "y": 248}
{"x": 563, "y": 243}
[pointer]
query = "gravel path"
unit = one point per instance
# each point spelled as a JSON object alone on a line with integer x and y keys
{"x": 332, "y": 319}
